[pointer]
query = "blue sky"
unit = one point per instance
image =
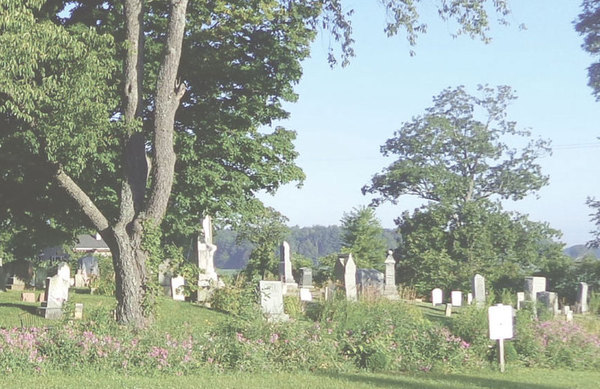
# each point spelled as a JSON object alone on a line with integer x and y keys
{"x": 344, "y": 115}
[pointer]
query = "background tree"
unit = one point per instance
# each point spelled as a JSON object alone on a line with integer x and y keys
{"x": 266, "y": 233}
{"x": 455, "y": 156}
{"x": 362, "y": 235}
{"x": 98, "y": 104}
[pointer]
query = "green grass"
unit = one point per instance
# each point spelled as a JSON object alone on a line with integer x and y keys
{"x": 171, "y": 315}
{"x": 519, "y": 379}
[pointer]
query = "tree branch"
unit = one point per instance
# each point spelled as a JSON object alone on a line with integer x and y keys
{"x": 82, "y": 199}
{"x": 168, "y": 96}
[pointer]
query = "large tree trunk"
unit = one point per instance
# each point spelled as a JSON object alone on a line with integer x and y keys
{"x": 129, "y": 261}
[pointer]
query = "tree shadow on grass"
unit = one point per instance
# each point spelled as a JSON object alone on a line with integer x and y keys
{"x": 24, "y": 307}
{"x": 436, "y": 314}
{"x": 437, "y": 381}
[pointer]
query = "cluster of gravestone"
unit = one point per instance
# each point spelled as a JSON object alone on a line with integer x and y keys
{"x": 19, "y": 275}
{"x": 534, "y": 293}
{"x": 208, "y": 279}
{"x": 349, "y": 280}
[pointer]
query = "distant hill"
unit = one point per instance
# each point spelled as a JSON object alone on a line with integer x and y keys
{"x": 312, "y": 242}
{"x": 581, "y": 250}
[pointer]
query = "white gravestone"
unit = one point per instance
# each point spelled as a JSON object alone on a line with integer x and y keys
{"x": 478, "y": 286}
{"x": 345, "y": 272}
{"x": 285, "y": 269}
{"x": 80, "y": 281}
{"x": 437, "y": 296}
{"x": 64, "y": 271}
{"x": 582, "y": 298}
{"x": 534, "y": 285}
{"x": 456, "y": 298}
{"x": 177, "y": 284}
{"x": 271, "y": 300}
{"x": 305, "y": 294}
{"x": 520, "y": 299}
{"x": 389, "y": 290}
{"x": 57, "y": 293}
{"x": 469, "y": 298}
{"x": 205, "y": 252}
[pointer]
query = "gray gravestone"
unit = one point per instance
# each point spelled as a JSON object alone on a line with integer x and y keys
{"x": 582, "y": 298}
{"x": 478, "y": 289}
{"x": 57, "y": 293}
{"x": 549, "y": 300}
{"x": 437, "y": 296}
{"x": 370, "y": 281}
{"x": 89, "y": 266}
{"x": 345, "y": 273}
{"x": 390, "y": 291}
{"x": 456, "y": 298}
{"x": 306, "y": 277}
{"x": 534, "y": 285}
{"x": 271, "y": 300}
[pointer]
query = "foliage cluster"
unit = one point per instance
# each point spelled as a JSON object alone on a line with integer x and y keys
{"x": 333, "y": 336}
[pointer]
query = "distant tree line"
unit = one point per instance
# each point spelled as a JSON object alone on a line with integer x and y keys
{"x": 313, "y": 242}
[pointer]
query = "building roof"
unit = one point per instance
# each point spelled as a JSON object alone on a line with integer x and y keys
{"x": 90, "y": 242}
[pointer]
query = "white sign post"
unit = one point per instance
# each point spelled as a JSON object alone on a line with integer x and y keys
{"x": 501, "y": 327}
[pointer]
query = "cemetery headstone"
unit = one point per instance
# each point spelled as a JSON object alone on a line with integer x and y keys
{"x": 549, "y": 300}
{"x": 478, "y": 286}
{"x": 345, "y": 273}
{"x": 41, "y": 297}
{"x": 57, "y": 293}
{"x": 370, "y": 281}
{"x": 208, "y": 278}
{"x": 448, "y": 310}
{"x": 177, "y": 284}
{"x": 41, "y": 273}
{"x": 80, "y": 281}
{"x": 469, "y": 298}
{"x": 569, "y": 316}
{"x": 437, "y": 296}
{"x": 285, "y": 269}
{"x": 64, "y": 271}
{"x": 533, "y": 285}
{"x": 78, "y": 314}
{"x": 520, "y": 299}
{"x": 390, "y": 290}
{"x": 456, "y": 298}
{"x": 305, "y": 294}
{"x": 271, "y": 300}
{"x": 89, "y": 266}
{"x": 164, "y": 277}
{"x": 329, "y": 292}
{"x": 28, "y": 297}
{"x": 17, "y": 283}
{"x": 306, "y": 277}
{"x": 582, "y": 297}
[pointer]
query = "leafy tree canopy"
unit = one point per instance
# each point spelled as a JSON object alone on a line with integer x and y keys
{"x": 362, "y": 235}
{"x": 455, "y": 152}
